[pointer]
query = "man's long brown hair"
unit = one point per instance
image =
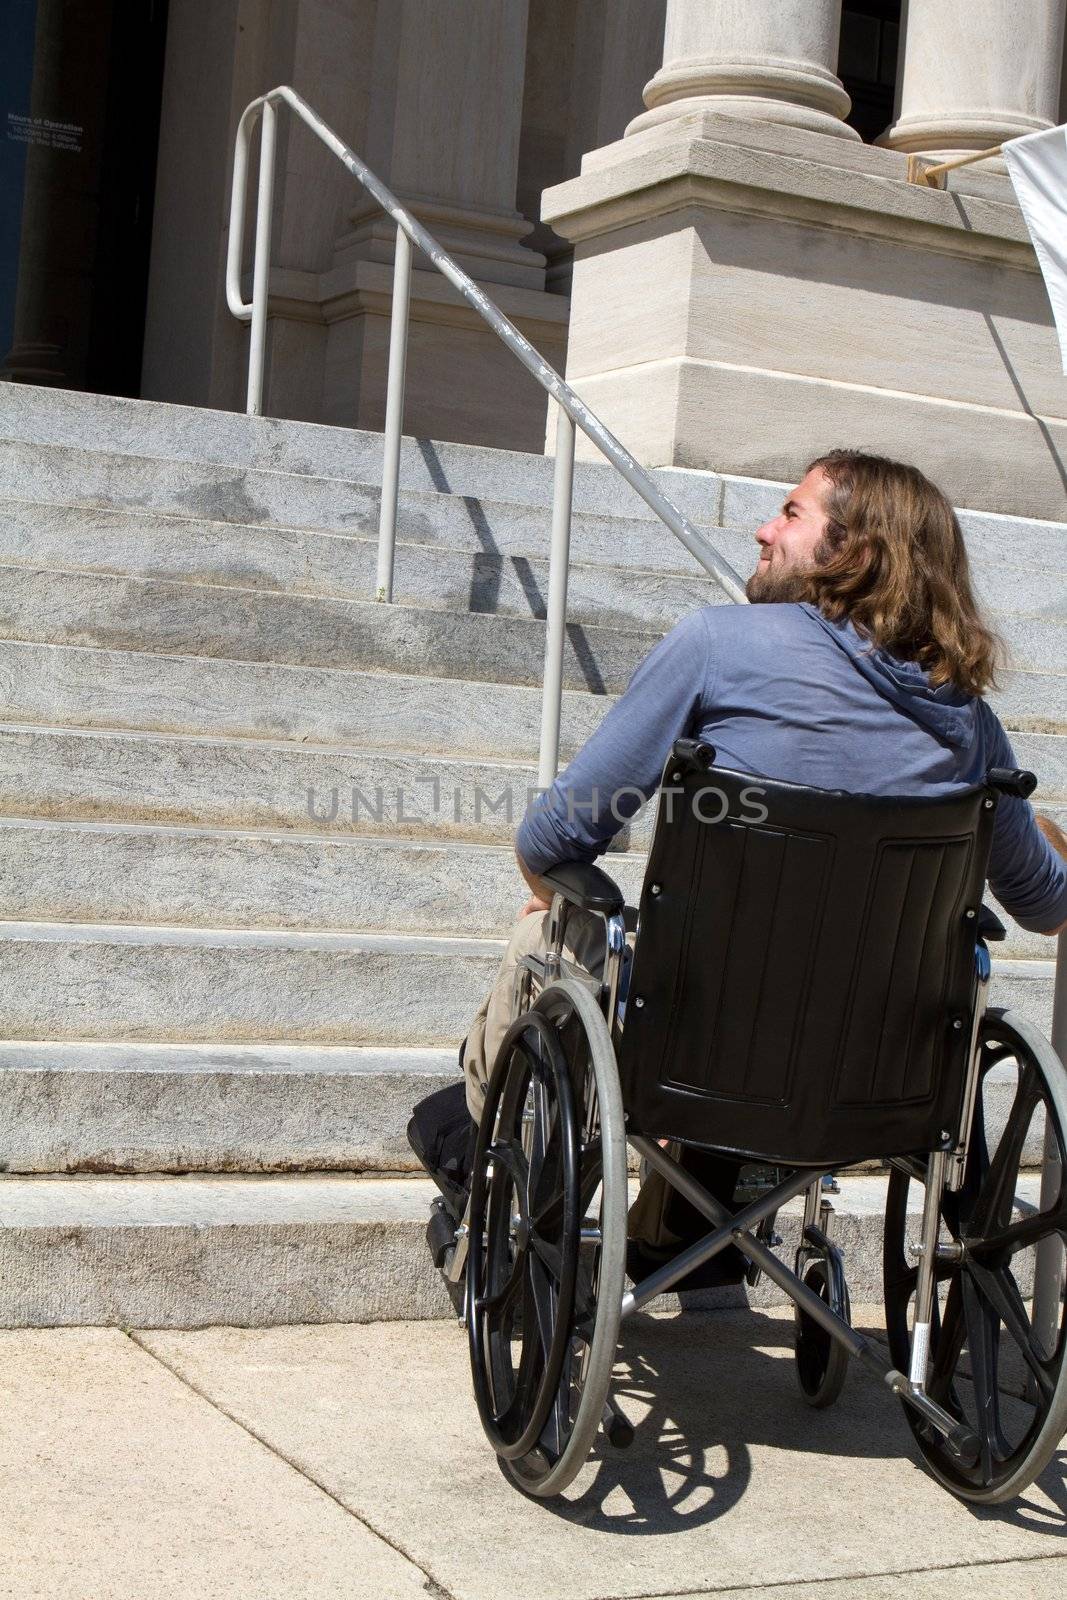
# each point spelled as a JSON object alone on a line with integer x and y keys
{"x": 894, "y": 562}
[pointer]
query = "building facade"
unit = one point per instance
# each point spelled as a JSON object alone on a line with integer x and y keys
{"x": 696, "y": 208}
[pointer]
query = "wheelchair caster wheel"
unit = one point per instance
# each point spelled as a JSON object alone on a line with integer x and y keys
{"x": 822, "y": 1363}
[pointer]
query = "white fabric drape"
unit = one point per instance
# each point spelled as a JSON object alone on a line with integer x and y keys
{"x": 1037, "y": 164}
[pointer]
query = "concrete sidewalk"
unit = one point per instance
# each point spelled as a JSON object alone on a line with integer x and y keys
{"x": 347, "y": 1461}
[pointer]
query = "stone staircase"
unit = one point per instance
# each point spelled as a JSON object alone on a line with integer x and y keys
{"x": 231, "y": 955}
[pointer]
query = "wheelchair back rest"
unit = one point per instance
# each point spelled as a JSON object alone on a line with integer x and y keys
{"x": 804, "y": 974}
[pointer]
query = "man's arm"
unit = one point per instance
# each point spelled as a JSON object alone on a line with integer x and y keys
{"x": 619, "y": 767}
{"x": 1027, "y": 864}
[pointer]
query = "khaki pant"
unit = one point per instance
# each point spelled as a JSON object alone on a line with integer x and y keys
{"x": 584, "y": 944}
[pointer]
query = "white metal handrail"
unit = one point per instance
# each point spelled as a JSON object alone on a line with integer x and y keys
{"x": 572, "y": 410}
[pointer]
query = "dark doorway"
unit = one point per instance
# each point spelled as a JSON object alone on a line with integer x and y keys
{"x": 80, "y": 95}
{"x": 867, "y": 63}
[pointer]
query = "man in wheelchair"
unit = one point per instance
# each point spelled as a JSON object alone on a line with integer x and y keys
{"x": 806, "y": 991}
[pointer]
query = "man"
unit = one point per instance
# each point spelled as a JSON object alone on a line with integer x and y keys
{"x": 861, "y": 665}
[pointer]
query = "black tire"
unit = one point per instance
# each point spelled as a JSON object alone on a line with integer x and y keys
{"x": 821, "y": 1363}
{"x": 544, "y": 1292}
{"x": 990, "y": 1367}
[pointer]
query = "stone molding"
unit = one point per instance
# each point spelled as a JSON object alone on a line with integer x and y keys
{"x": 693, "y": 163}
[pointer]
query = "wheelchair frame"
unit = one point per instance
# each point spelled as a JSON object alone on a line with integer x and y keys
{"x": 580, "y": 887}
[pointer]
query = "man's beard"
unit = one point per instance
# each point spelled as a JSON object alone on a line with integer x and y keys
{"x": 788, "y": 583}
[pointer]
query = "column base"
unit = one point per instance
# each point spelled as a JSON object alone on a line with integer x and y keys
{"x": 704, "y": 415}
{"x": 329, "y": 356}
{"x": 799, "y": 94}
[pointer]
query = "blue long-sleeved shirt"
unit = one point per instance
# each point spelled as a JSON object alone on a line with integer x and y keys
{"x": 781, "y": 692}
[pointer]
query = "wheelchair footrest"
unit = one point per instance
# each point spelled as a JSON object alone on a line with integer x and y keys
{"x": 440, "y": 1235}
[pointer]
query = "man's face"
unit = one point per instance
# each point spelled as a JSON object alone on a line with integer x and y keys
{"x": 789, "y": 543}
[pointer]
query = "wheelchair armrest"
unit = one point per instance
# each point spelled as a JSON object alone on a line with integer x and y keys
{"x": 585, "y": 886}
{"x": 990, "y": 927}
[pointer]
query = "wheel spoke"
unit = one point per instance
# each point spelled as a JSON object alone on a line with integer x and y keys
{"x": 1001, "y": 1292}
{"x": 982, "y": 1344}
{"x": 549, "y": 1219}
{"x": 996, "y": 1195}
{"x": 503, "y": 1297}
{"x": 1022, "y": 1234}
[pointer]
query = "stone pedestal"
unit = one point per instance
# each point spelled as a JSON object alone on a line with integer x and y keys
{"x": 977, "y": 72}
{"x": 770, "y": 60}
{"x": 743, "y": 300}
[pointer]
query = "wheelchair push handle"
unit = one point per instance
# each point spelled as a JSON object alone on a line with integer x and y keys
{"x": 1015, "y": 781}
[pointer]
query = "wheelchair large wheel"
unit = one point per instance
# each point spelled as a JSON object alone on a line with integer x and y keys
{"x": 547, "y": 1244}
{"x": 998, "y": 1349}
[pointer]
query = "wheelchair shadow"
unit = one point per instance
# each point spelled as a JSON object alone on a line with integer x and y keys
{"x": 704, "y": 1390}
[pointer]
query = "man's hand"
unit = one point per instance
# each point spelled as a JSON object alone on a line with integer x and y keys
{"x": 540, "y": 893}
{"x": 1058, "y": 840}
{"x": 1053, "y": 833}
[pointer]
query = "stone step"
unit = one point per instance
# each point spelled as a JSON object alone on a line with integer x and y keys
{"x": 106, "y": 1107}
{"x": 62, "y": 980}
{"x": 107, "y": 424}
{"x": 196, "y": 1251}
{"x": 67, "y": 685}
{"x": 110, "y": 982}
{"x": 150, "y": 616}
{"x": 495, "y": 560}
{"x": 202, "y": 877}
{"x": 98, "y": 775}
{"x": 78, "y": 1106}
{"x": 201, "y": 492}
{"x": 92, "y": 609}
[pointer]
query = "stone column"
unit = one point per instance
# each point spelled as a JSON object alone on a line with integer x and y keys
{"x": 444, "y": 134}
{"x": 768, "y": 60}
{"x": 977, "y": 72}
{"x": 443, "y": 131}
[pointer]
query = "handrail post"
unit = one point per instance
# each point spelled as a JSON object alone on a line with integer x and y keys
{"x": 1048, "y": 1257}
{"x": 556, "y": 632}
{"x": 261, "y": 264}
{"x": 394, "y": 413}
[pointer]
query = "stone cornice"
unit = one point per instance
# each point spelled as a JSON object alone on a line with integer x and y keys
{"x": 661, "y": 175}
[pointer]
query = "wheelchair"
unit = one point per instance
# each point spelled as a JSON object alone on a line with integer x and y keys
{"x": 807, "y": 992}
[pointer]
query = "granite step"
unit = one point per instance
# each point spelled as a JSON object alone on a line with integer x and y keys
{"x": 94, "y": 775}
{"x": 78, "y": 1106}
{"x": 92, "y": 609}
{"x": 201, "y": 877}
{"x": 71, "y": 685}
{"x": 109, "y": 981}
{"x": 251, "y": 1251}
{"x": 497, "y": 562}
{"x": 202, "y": 492}
{"x": 108, "y": 424}
{"x": 62, "y": 980}
{"x": 81, "y": 1106}
{"x": 478, "y": 538}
